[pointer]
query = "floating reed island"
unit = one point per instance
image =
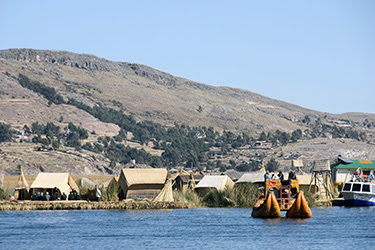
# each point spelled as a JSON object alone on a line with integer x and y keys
{"x": 87, "y": 205}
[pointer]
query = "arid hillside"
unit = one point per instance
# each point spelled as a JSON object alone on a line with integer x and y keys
{"x": 146, "y": 94}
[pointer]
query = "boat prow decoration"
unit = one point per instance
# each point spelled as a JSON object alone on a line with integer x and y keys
{"x": 300, "y": 208}
{"x": 267, "y": 208}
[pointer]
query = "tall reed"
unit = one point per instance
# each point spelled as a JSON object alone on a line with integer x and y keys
{"x": 188, "y": 196}
{"x": 242, "y": 195}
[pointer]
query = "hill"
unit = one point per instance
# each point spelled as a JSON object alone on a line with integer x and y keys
{"x": 144, "y": 94}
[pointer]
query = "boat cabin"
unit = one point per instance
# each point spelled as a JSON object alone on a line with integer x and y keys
{"x": 361, "y": 187}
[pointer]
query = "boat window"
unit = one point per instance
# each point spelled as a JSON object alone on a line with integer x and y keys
{"x": 366, "y": 188}
{"x": 373, "y": 188}
{"x": 347, "y": 187}
{"x": 356, "y": 187}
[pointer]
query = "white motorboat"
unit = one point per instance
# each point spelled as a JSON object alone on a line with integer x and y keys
{"x": 358, "y": 193}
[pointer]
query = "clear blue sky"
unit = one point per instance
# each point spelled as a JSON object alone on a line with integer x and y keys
{"x": 316, "y": 54}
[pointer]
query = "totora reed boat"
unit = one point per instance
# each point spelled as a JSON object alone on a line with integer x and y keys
{"x": 281, "y": 196}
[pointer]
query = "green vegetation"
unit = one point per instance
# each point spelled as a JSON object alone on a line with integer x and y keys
{"x": 188, "y": 196}
{"x": 48, "y": 92}
{"x": 5, "y": 132}
{"x": 272, "y": 165}
{"x": 243, "y": 195}
{"x": 5, "y": 192}
{"x": 3, "y": 195}
{"x": 110, "y": 193}
{"x": 191, "y": 147}
{"x": 311, "y": 199}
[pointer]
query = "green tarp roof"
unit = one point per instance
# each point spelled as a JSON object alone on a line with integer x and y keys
{"x": 356, "y": 164}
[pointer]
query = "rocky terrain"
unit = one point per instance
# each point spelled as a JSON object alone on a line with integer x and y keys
{"x": 147, "y": 94}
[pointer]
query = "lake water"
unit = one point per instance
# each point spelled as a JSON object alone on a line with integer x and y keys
{"x": 203, "y": 228}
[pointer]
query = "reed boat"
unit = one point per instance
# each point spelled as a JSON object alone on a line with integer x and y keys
{"x": 300, "y": 208}
{"x": 266, "y": 208}
{"x": 288, "y": 198}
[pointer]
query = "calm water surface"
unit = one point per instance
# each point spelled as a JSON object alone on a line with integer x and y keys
{"x": 204, "y": 228}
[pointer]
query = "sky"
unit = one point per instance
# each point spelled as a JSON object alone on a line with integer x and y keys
{"x": 316, "y": 54}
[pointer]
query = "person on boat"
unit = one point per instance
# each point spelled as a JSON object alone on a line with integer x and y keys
{"x": 370, "y": 177}
{"x": 292, "y": 176}
{"x": 63, "y": 196}
{"x": 267, "y": 176}
{"x": 281, "y": 177}
{"x": 358, "y": 175}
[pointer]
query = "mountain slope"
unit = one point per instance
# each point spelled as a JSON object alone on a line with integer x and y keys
{"x": 147, "y": 94}
{"x": 153, "y": 95}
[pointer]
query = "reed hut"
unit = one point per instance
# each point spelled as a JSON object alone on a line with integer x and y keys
{"x": 141, "y": 183}
{"x": 85, "y": 183}
{"x": 46, "y": 182}
{"x": 252, "y": 177}
{"x": 184, "y": 182}
{"x": 218, "y": 182}
{"x": 22, "y": 188}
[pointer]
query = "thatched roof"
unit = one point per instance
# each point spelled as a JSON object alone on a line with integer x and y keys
{"x": 215, "y": 181}
{"x": 166, "y": 194}
{"x": 84, "y": 182}
{"x": 63, "y": 181}
{"x": 106, "y": 183}
{"x": 135, "y": 176}
{"x": 233, "y": 174}
{"x": 186, "y": 178}
{"x": 22, "y": 183}
{"x": 254, "y": 177}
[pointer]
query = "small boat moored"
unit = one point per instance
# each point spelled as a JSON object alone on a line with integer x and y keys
{"x": 358, "y": 193}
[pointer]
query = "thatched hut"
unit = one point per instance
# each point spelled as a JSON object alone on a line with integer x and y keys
{"x": 218, "y": 182}
{"x": 22, "y": 188}
{"x": 252, "y": 177}
{"x": 184, "y": 182}
{"x": 141, "y": 183}
{"x": 46, "y": 182}
{"x": 85, "y": 183}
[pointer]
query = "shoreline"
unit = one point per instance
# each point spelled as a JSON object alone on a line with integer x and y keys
{"x": 89, "y": 205}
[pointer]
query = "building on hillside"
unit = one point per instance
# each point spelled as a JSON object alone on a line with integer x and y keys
{"x": 141, "y": 183}
{"x": 218, "y": 182}
{"x": 46, "y": 182}
{"x": 344, "y": 169}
